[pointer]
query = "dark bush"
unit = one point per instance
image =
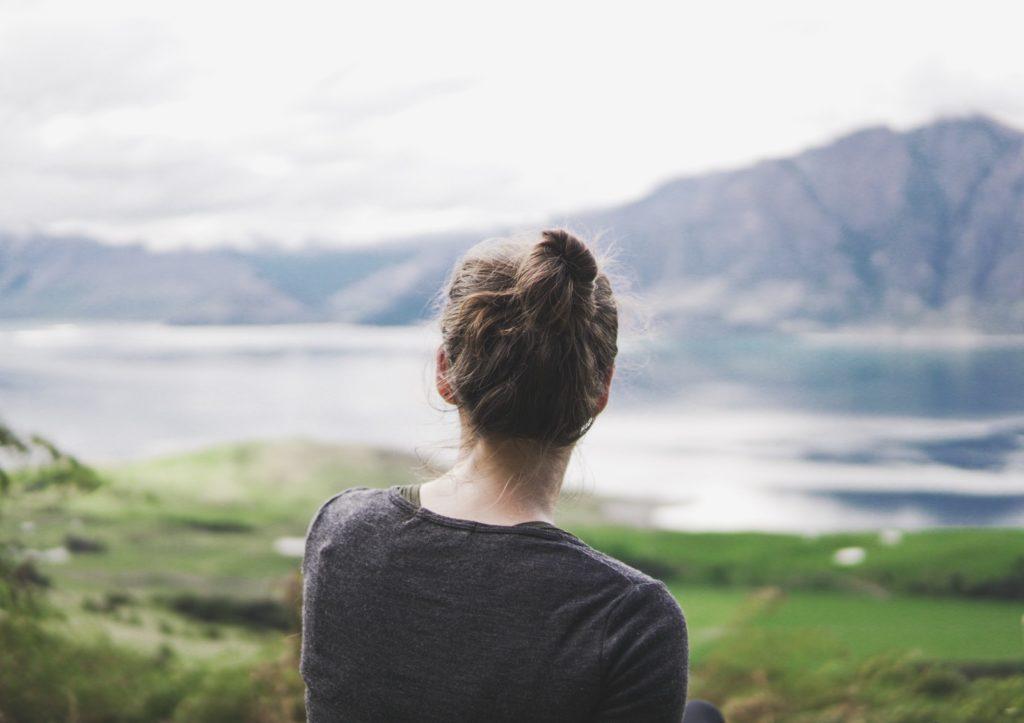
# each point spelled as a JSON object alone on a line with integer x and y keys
{"x": 111, "y": 602}
{"x": 118, "y": 598}
{"x": 83, "y": 545}
{"x": 1007, "y": 587}
{"x": 266, "y": 614}
{"x": 213, "y": 524}
{"x": 939, "y": 682}
{"x": 26, "y": 574}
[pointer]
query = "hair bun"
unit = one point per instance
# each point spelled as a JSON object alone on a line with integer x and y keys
{"x": 555, "y": 282}
{"x": 578, "y": 259}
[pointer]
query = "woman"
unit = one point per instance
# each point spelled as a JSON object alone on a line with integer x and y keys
{"x": 460, "y": 599}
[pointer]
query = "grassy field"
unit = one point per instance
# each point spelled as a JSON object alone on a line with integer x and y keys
{"x": 934, "y": 628}
{"x": 176, "y": 563}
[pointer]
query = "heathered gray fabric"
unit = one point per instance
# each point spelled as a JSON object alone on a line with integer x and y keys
{"x": 412, "y": 616}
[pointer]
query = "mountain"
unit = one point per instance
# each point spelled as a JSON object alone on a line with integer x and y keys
{"x": 921, "y": 227}
{"x": 916, "y": 228}
{"x": 79, "y": 278}
{"x": 69, "y": 278}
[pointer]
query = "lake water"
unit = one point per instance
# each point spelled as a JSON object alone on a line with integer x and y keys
{"x": 739, "y": 431}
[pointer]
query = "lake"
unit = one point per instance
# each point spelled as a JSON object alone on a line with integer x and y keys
{"x": 757, "y": 431}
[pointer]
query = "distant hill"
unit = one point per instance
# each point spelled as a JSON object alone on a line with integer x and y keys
{"x": 79, "y": 278}
{"x": 917, "y": 228}
{"x": 913, "y": 228}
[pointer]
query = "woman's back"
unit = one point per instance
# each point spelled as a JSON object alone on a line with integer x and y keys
{"x": 410, "y": 615}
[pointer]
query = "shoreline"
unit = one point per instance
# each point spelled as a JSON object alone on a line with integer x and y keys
{"x": 802, "y": 512}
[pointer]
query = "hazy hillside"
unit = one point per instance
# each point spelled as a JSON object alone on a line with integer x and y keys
{"x": 879, "y": 226}
{"x": 79, "y": 278}
{"x": 51, "y": 278}
{"x": 923, "y": 227}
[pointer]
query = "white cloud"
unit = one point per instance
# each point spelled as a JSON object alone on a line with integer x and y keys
{"x": 204, "y": 123}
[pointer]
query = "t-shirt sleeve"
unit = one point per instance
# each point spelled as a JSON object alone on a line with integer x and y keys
{"x": 319, "y": 529}
{"x": 645, "y": 655}
{"x": 316, "y": 588}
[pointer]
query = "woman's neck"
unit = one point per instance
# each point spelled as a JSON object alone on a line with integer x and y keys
{"x": 499, "y": 483}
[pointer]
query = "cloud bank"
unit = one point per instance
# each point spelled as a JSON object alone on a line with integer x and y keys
{"x": 231, "y": 124}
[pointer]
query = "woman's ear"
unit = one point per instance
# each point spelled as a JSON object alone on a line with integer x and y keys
{"x": 441, "y": 378}
{"x": 602, "y": 402}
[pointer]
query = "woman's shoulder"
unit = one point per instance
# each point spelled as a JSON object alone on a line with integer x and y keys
{"x": 342, "y": 519}
{"x": 645, "y": 655}
{"x": 627, "y": 576}
{"x": 348, "y": 504}
{"x": 636, "y": 594}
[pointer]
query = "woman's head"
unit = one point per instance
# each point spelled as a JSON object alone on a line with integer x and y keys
{"x": 529, "y": 330}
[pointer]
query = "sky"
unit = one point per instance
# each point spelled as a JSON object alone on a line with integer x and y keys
{"x": 208, "y": 123}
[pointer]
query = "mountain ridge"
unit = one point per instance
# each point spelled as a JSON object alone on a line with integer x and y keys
{"x": 915, "y": 228}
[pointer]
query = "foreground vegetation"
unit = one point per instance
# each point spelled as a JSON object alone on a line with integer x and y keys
{"x": 177, "y": 599}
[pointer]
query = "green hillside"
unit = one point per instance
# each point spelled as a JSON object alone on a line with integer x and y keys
{"x": 176, "y": 582}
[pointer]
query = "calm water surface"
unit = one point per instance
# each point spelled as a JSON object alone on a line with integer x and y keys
{"x": 740, "y": 431}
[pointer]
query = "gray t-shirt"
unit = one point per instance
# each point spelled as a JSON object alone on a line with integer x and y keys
{"x": 411, "y": 615}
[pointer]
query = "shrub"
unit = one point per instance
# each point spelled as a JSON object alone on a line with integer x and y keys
{"x": 266, "y": 614}
{"x": 47, "y": 677}
{"x": 83, "y": 545}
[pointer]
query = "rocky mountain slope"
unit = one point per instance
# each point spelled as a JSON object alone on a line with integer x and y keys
{"x": 916, "y": 228}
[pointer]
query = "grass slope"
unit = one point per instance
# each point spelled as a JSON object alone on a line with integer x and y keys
{"x": 778, "y": 631}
